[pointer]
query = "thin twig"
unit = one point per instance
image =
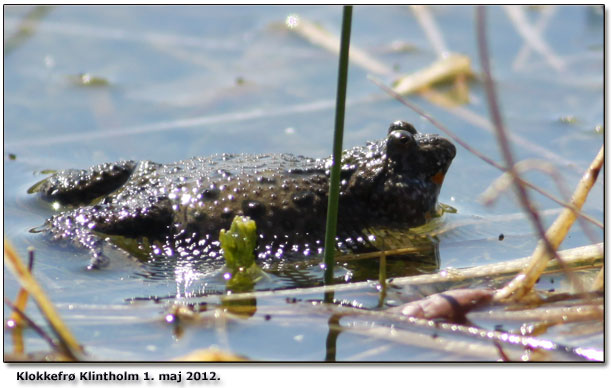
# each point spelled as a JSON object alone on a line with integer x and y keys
{"x": 532, "y": 37}
{"x": 34, "y": 326}
{"x": 27, "y": 281}
{"x": 589, "y": 256}
{"x": 503, "y": 182}
{"x": 481, "y": 122}
{"x": 377, "y": 254}
{"x": 524, "y": 281}
{"x": 318, "y": 36}
{"x": 539, "y": 28}
{"x": 502, "y": 138}
{"x": 441, "y": 69}
{"x": 432, "y": 31}
{"x": 22, "y": 296}
{"x": 416, "y": 338}
{"x": 550, "y": 314}
{"x": 27, "y": 27}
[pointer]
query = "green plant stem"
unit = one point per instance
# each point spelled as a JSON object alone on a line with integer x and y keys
{"x": 334, "y": 185}
{"x": 382, "y": 279}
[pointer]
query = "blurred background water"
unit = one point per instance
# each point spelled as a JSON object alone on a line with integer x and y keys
{"x": 90, "y": 84}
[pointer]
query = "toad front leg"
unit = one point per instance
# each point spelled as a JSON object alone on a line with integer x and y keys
{"x": 90, "y": 226}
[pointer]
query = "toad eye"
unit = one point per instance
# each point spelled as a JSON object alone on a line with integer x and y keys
{"x": 401, "y": 144}
{"x": 401, "y": 139}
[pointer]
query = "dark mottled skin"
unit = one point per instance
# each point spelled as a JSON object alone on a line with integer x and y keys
{"x": 180, "y": 207}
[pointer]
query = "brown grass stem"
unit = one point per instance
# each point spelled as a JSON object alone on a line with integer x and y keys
{"x": 27, "y": 281}
{"x": 525, "y": 280}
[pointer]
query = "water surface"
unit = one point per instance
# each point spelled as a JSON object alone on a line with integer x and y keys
{"x": 177, "y": 82}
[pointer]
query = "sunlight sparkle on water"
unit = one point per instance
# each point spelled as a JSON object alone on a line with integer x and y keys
{"x": 185, "y": 274}
{"x": 185, "y": 198}
{"x": 292, "y": 21}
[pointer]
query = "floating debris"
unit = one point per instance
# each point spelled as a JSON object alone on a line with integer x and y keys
{"x": 444, "y": 69}
{"x": 88, "y": 80}
{"x": 568, "y": 119}
{"x": 453, "y": 304}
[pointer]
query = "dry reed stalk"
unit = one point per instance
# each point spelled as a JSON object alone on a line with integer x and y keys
{"x": 318, "y": 36}
{"x": 589, "y": 256}
{"x": 27, "y": 281}
{"x": 555, "y": 234}
{"x": 447, "y": 68}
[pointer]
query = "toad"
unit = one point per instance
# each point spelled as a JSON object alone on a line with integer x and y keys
{"x": 176, "y": 210}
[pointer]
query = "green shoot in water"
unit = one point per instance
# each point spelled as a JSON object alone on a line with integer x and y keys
{"x": 239, "y": 243}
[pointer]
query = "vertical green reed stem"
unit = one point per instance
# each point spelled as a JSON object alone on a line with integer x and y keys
{"x": 382, "y": 278}
{"x": 334, "y": 185}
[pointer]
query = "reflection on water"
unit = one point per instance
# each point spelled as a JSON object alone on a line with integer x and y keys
{"x": 195, "y": 273}
{"x": 408, "y": 252}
